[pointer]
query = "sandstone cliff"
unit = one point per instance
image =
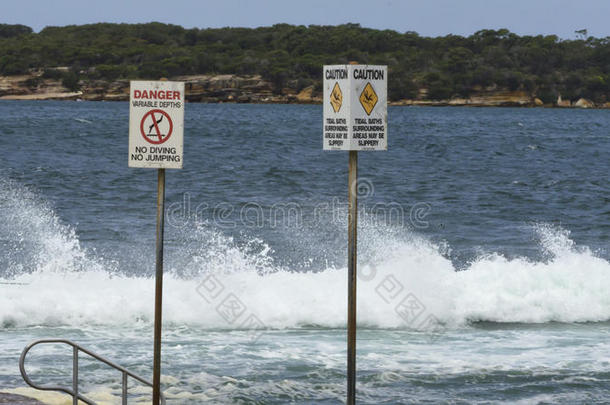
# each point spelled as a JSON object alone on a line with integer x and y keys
{"x": 248, "y": 89}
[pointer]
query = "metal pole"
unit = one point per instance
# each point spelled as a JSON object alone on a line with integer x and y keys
{"x": 75, "y": 375}
{"x": 159, "y": 286}
{"x": 124, "y": 394}
{"x": 352, "y": 258}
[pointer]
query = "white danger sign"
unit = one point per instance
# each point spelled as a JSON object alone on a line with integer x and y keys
{"x": 355, "y": 107}
{"x": 156, "y": 124}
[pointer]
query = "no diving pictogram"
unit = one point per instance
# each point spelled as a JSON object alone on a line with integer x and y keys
{"x": 156, "y": 126}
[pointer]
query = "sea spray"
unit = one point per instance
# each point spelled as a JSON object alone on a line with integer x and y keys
{"x": 34, "y": 238}
{"x": 65, "y": 284}
{"x": 568, "y": 288}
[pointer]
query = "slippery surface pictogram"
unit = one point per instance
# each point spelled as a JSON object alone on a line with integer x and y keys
{"x": 368, "y": 98}
{"x": 336, "y": 98}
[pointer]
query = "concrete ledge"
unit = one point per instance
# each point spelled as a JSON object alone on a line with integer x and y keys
{"x": 14, "y": 399}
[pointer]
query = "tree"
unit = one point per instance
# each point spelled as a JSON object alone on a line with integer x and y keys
{"x": 10, "y": 31}
{"x": 447, "y": 66}
{"x": 582, "y": 34}
{"x": 71, "y": 81}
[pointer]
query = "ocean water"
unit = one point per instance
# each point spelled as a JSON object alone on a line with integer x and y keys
{"x": 483, "y": 252}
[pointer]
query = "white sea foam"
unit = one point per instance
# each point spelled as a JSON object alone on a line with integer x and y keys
{"x": 411, "y": 284}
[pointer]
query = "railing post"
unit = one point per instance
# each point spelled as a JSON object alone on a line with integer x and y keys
{"x": 124, "y": 388}
{"x": 74, "y": 391}
{"x": 75, "y": 375}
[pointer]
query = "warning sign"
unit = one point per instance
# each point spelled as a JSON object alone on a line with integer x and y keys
{"x": 156, "y": 124}
{"x": 355, "y": 107}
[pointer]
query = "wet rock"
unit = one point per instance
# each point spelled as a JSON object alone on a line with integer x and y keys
{"x": 584, "y": 103}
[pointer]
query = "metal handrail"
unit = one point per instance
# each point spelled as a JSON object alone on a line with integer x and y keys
{"x": 74, "y": 391}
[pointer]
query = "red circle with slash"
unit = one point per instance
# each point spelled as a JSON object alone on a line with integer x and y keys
{"x": 153, "y": 121}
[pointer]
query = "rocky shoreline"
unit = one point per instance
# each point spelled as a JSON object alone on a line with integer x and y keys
{"x": 251, "y": 89}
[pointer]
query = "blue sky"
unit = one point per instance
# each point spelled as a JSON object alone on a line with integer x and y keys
{"x": 427, "y": 17}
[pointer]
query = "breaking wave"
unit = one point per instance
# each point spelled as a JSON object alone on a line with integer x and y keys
{"x": 48, "y": 278}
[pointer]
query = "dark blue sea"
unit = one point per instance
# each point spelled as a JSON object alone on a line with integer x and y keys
{"x": 483, "y": 240}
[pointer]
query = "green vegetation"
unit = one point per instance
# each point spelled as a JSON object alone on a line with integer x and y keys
{"x": 9, "y": 31}
{"x": 450, "y": 66}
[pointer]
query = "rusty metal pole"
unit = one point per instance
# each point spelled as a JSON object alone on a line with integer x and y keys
{"x": 159, "y": 287}
{"x": 352, "y": 259}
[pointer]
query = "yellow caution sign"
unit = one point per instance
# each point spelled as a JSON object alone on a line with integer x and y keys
{"x": 355, "y": 112}
{"x": 368, "y": 98}
{"x": 336, "y": 98}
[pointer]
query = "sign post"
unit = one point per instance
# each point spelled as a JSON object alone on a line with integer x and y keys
{"x": 352, "y": 262}
{"x": 156, "y": 131}
{"x": 355, "y": 118}
{"x": 158, "y": 285}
